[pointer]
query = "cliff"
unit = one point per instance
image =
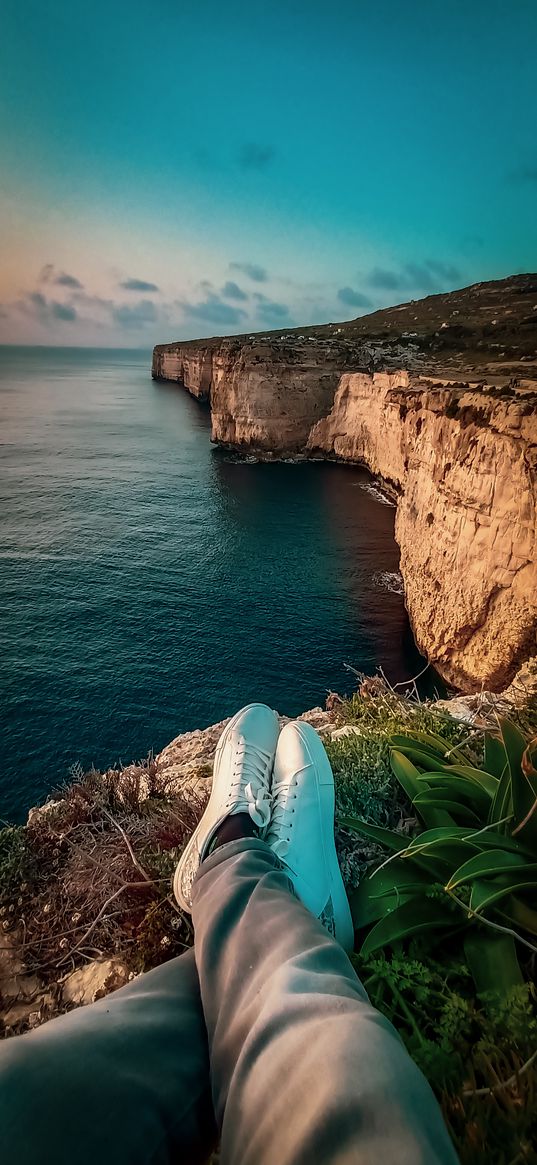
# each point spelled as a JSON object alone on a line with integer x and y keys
{"x": 463, "y": 462}
{"x": 446, "y": 415}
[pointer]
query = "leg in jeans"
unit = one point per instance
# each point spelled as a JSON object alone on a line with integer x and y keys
{"x": 303, "y": 1067}
{"x": 121, "y": 1082}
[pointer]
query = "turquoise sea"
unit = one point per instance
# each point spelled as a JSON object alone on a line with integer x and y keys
{"x": 150, "y": 583}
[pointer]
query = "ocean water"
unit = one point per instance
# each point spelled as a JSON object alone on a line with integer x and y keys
{"x": 151, "y": 584}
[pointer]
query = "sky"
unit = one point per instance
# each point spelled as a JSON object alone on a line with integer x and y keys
{"x": 176, "y": 169}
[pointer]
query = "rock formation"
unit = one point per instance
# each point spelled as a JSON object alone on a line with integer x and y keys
{"x": 453, "y": 431}
{"x": 463, "y": 463}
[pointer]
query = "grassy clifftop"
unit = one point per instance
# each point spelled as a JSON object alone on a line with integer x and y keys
{"x": 86, "y": 898}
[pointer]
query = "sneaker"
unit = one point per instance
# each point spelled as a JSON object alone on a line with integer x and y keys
{"x": 301, "y": 831}
{"x": 241, "y": 784}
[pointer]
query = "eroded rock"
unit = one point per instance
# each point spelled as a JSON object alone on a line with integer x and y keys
{"x": 94, "y": 981}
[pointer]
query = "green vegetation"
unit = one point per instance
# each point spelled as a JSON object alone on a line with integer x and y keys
{"x": 437, "y": 835}
{"x": 446, "y": 921}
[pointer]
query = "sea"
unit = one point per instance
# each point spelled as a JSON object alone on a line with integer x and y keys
{"x": 151, "y": 583}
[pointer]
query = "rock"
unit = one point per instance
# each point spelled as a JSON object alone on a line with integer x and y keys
{"x": 483, "y": 709}
{"x": 346, "y": 730}
{"x": 38, "y": 812}
{"x": 184, "y": 767}
{"x": 15, "y": 983}
{"x": 24, "y": 1001}
{"x": 94, "y": 981}
{"x": 466, "y": 519}
{"x": 29, "y": 1013}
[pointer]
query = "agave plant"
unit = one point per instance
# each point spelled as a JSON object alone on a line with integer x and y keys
{"x": 472, "y": 868}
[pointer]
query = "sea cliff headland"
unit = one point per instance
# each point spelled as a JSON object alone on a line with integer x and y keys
{"x": 438, "y": 399}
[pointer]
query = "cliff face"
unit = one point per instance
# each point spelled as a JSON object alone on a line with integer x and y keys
{"x": 266, "y": 396}
{"x": 460, "y": 449}
{"x": 464, "y": 463}
{"x": 191, "y": 367}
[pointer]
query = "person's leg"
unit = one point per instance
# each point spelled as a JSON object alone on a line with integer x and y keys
{"x": 303, "y": 1068}
{"x": 120, "y": 1082}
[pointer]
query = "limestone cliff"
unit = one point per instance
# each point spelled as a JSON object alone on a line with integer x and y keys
{"x": 190, "y": 366}
{"x": 454, "y": 433}
{"x": 464, "y": 464}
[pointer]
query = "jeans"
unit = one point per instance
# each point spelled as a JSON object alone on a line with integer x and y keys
{"x": 261, "y": 1037}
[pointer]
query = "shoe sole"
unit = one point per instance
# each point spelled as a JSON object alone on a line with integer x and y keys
{"x": 314, "y": 749}
{"x": 192, "y": 844}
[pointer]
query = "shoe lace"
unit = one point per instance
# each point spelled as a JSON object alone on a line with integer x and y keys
{"x": 279, "y": 834}
{"x": 249, "y": 787}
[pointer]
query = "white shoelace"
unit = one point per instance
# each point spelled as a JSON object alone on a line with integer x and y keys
{"x": 278, "y": 836}
{"x": 249, "y": 790}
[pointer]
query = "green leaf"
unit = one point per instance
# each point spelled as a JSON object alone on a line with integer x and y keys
{"x": 407, "y": 774}
{"x": 478, "y": 776}
{"x": 493, "y": 962}
{"x": 456, "y": 809}
{"x": 495, "y": 758}
{"x": 522, "y": 914}
{"x": 420, "y": 754}
{"x": 411, "y": 917}
{"x": 502, "y": 805}
{"x": 379, "y": 893}
{"x": 486, "y": 893}
{"x": 458, "y": 786}
{"x": 480, "y": 839}
{"x": 523, "y": 786}
{"x": 409, "y": 778}
{"x": 436, "y": 744}
{"x": 489, "y": 864}
{"x": 386, "y": 837}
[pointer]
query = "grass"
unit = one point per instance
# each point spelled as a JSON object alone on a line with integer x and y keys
{"x": 93, "y": 877}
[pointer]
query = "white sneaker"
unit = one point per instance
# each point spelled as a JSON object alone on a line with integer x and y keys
{"x": 301, "y": 831}
{"x": 241, "y": 784}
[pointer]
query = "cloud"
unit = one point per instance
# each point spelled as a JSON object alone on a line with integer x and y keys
{"x": 48, "y": 274}
{"x": 64, "y": 280}
{"x": 63, "y": 311}
{"x": 256, "y": 156}
{"x": 270, "y": 311}
{"x": 46, "y": 311}
{"x": 212, "y": 310}
{"x": 138, "y": 285}
{"x": 232, "y": 291}
{"x": 136, "y": 315}
{"x": 383, "y": 280}
{"x": 432, "y": 276}
{"x": 252, "y": 270}
{"x": 353, "y": 298}
{"x": 444, "y": 270}
{"x": 429, "y": 276}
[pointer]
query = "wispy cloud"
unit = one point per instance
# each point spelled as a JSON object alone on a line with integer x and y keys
{"x": 48, "y": 274}
{"x": 136, "y": 315}
{"x": 432, "y": 275}
{"x": 44, "y": 310}
{"x": 383, "y": 280}
{"x": 352, "y": 298}
{"x": 212, "y": 310}
{"x": 256, "y": 156}
{"x": 269, "y": 310}
{"x": 252, "y": 270}
{"x": 138, "y": 285}
{"x": 231, "y": 290}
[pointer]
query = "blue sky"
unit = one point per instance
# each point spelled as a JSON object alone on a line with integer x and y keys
{"x": 184, "y": 169}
